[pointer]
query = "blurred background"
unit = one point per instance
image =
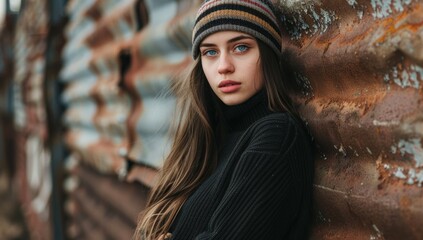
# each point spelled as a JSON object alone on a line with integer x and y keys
{"x": 85, "y": 108}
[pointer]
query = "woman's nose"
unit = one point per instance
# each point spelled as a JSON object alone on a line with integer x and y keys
{"x": 225, "y": 64}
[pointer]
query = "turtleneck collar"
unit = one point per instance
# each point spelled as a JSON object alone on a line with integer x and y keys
{"x": 241, "y": 116}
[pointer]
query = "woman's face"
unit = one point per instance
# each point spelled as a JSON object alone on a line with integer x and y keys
{"x": 231, "y": 63}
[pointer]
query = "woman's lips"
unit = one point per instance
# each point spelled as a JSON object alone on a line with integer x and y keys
{"x": 229, "y": 86}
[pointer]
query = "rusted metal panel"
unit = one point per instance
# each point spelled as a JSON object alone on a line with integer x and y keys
{"x": 129, "y": 199}
{"x": 34, "y": 199}
{"x": 118, "y": 103}
{"x": 162, "y": 53}
{"x": 11, "y": 227}
{"x": 113, "y": 113}
{"x": 32, "y": 158}
{"x": 97, "y": 107}
{"x": 359, "y": 64}
{"x": 109, "y": 223}
{"x": 111, "y": 205}
{"x": 98, "y": 197}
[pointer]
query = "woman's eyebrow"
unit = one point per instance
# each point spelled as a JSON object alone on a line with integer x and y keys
{"x": 207, "y": 45}
{"x": 242, "y": 37}
{"x": 235, "y": 39}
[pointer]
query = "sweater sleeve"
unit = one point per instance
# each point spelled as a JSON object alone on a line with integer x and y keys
{"x": 262, "y": 197}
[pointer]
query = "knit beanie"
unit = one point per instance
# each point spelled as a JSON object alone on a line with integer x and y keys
{"x": 254, "y": 17}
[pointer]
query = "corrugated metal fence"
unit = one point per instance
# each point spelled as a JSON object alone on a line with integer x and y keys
{"x": 119, "y": 61}
{"x": 359, "y": 66}
{"x": 33, "y": 173}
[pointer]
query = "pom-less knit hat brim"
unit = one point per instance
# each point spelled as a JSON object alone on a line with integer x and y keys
{"x": 254, "y": 17}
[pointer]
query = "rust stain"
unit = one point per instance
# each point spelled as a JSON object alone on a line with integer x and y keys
{"x": 404, "y": 21}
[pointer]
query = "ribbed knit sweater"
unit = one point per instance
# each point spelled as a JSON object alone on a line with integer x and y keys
{"x": 262, "y": 186}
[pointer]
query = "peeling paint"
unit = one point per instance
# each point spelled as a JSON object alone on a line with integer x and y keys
{"x": 323, "y": 218}
{"x": 405, "y": 76}
{"x": 407, "y": 175}
{"x": 415, "y": 177}
{"x": 358, "y": 8}
{"x": 378, "y": 232}
{"x": 342, "y": 150}
{"x": 418, "y": 178}
{"x": 360, "y": 14}
{"x": 412, "y": 147}
{"x": 352, "y": 2}
{"x": 410, "y": 176}
{"x": 399, "y": 173}
{"x": 304, "y": 83}
{"x": 385, "y": 123}
{"x": 393, "y": 149}
{"x": 305, "y": 18}
{"x": 297, "y": 5}
{"x": 384, "y": 8}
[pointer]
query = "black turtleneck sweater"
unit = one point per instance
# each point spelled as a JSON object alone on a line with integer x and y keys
{"x": 262, "y": 186}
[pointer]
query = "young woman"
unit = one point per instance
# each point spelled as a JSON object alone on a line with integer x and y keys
{"x": 240, "y": 166}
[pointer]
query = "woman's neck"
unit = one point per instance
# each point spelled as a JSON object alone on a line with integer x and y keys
{"x": 241, "y": 116}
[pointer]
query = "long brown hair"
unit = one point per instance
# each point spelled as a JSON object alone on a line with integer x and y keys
{"x": 193, "y": 155}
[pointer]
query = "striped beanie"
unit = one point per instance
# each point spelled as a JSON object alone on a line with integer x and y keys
{"x": 254, "y": 17}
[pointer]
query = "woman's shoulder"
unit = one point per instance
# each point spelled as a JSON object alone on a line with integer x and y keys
{"x": 274, "y": 132}
{"x": 277, "y": 121}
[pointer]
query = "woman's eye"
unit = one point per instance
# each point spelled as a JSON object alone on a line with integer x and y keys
{"x": 241, "y": 48}
{"x": 209, "y": 53}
